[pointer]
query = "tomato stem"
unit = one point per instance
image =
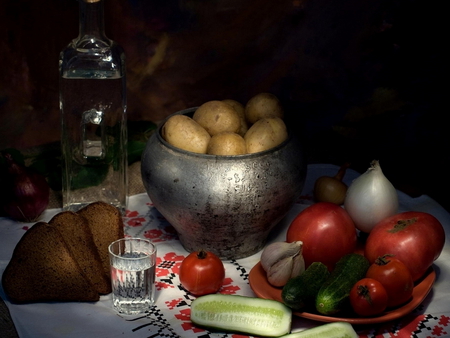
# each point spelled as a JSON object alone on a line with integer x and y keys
{"x": 383, "y": 260}
{"x": 202, "y": 254}
{"x": 363, "y": 291}
{"x": 402, "y": 224}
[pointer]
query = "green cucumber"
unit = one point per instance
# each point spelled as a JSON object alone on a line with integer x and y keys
{"x": 330, "y": 330}
{"x": 333, "y": 296}
{"x": 233, "y": 313}
{"x": 301, "y": 291}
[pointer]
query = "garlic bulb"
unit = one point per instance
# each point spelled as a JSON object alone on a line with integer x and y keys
{"x": 370, "y": 198}
{"x": 282, "y": 261}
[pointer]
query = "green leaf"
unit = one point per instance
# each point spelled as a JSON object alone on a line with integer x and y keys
{"x": 138, "y": 134}
{"x": 48, "y": 162}
{"x": 140, "y": 130}
{"x": 135, "y": 149}
{"x": 89, "y": 176}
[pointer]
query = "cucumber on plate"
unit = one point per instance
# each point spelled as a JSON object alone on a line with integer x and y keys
{"x": 301, "y": 291}
{"x": 333, "y": 296}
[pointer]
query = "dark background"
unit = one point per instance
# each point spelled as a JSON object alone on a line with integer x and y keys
{"x": 359, "y": 80}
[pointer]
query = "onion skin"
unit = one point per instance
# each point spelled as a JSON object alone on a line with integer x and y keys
{"x": 331, "y": 189}
{"x": 25, "y": 193}
{"x": 371, "y": 198}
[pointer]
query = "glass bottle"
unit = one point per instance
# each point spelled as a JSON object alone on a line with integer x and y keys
{"x": 92, "y": 99}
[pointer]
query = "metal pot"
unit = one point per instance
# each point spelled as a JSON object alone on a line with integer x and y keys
{"x": 223, "y": 204}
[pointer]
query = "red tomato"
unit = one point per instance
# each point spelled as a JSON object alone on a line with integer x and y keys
{"x": 327, "y": 233}
{"x": 395, "y": 277}
{"x": 202, "y": 273}
{"x": 368, "y": 297}
{"x": 415, "y": 238}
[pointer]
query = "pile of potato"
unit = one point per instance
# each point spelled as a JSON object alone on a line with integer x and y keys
{"x": 226, "y": 127}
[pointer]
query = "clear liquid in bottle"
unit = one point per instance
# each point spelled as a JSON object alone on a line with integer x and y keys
{"x": 93, "y": 115}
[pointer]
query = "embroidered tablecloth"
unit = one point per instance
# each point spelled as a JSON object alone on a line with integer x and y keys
{"x": 170, "y": 315}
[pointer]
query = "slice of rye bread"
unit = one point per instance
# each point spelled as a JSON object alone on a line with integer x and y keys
{"x": 42, "y": 268}
{"x": 106, "y": 226}
{"x": 79, "y": 239}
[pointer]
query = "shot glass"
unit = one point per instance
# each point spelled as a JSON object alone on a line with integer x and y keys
{"x": 132, "y": 275}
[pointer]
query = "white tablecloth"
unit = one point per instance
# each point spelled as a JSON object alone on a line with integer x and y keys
{"x": 170, "y": 316}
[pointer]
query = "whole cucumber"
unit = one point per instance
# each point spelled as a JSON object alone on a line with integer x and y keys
{"x": 301, "y": 291}
{"x": 333, "y": 296}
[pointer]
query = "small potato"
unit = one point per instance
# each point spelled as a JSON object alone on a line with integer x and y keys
{"x": 226, "y": 143}
{"x": 263, "y": 105}
{"x": 240, "y": 109}
{"x": 183, "y": 132}
{"x": 216, "y": 117}
{"x": 265, "y": 134}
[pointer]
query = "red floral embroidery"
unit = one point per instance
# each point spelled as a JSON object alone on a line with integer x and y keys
{"x": 423, "y": 325}
{"x": 173, "y": 303}
{"x": 136, "y": 222}
{"x": 185, "y": 316}
{"x": 130, "y": 213}
{"x": 444, "y": 320}
{"x": 228, "y": 288}
{"x": 161, "y": 285}
{"x": 170, "y": 263}
{"x": 439, "y": 331}
{"x": 158, "y": 235}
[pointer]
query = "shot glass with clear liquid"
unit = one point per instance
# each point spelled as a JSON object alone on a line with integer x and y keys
{"x": 133, "y": 268}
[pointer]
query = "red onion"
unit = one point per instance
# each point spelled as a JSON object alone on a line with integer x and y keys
{"x": 25, "y": 193}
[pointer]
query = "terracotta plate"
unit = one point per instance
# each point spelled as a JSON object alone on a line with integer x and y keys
{"x": 262, "y": 288}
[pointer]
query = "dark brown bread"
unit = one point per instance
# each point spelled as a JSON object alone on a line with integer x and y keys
{"x": 78, "y": 237}
{"x": 42, "y": 268}
{"x": 105, "y": 222}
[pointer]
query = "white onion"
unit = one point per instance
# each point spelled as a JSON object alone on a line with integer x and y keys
{"x": 370, "y": 198}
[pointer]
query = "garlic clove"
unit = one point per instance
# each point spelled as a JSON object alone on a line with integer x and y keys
{"x": 298, "y": 266}
{"x": 282, "y": 261}
{"x": 280, "y": 272}
{"x": 279, "y": 250}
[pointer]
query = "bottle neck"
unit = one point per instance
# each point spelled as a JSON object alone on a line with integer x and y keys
{"x": 91, "y": 20}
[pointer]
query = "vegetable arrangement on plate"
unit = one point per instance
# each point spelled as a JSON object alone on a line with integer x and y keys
{"x": 398, "y": 249}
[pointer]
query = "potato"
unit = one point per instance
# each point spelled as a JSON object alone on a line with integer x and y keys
{"x": 183, "y": 132}
{"x": 216, "y": 117}
{"x": 263, "y": 105}
{"x": 226, "y": 143}
{"x": 240, "y": 109}
{"x": 265, "y": 134}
